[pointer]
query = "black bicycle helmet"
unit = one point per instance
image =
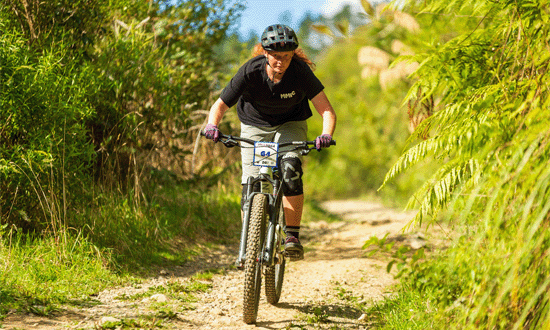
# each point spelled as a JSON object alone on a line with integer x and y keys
{"x": 279, "y": 38}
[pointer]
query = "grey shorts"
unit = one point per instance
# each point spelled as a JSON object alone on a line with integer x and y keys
{"x": 291, "y": 131}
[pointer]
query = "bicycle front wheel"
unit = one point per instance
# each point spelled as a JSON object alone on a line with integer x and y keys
{"x": 274, "y": 275}
{"x": 252, "y": 265}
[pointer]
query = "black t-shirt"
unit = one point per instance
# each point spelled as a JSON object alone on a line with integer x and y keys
{"x": 260, "y": 102}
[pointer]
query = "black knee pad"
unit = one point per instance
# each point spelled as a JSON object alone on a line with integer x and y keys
{"x": 291, "y": 170}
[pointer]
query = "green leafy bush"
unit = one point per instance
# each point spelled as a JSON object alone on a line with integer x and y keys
{"x": 44, "y": 144}
{"x": 490, "y": 131}
{"x": 100, "y": 93}
{"x": 100, "y": 105}
{"x": 154, "y": 69}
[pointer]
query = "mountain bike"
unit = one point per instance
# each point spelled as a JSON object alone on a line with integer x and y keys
{"x": 263, "y": 225}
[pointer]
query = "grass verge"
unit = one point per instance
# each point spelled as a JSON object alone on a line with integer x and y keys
{"x": 163, "y": 229}
{"x": 117, "y": 239}
{"x": 40, "y": 273}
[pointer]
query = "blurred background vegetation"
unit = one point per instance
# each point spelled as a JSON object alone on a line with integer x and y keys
{"x": 444, "y": 104}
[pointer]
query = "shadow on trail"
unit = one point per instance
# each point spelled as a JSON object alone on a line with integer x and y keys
{"x": 358, "y": 221}
{"x": 340, "y": 315}
{"x": 345, "y": 241}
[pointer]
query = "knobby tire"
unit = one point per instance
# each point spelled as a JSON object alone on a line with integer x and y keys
{"x": 252, "y": 265}
{"x": 274, "y": 275}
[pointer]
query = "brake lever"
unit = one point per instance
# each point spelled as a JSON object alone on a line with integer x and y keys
{"x": 230, "y": 143}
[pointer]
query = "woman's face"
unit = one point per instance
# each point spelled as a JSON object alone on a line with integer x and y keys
{"x": 279, "y": 61}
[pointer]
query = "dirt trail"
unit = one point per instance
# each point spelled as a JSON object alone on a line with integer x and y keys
{"x": 325, "y": 290}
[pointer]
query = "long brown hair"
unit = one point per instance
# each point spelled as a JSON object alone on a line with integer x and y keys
{"x": 299, "y": 54}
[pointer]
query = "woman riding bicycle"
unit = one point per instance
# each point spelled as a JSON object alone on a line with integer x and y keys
{"x": 271, "y": 92}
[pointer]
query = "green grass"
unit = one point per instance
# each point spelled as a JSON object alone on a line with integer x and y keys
{"x": 405, "y": 310}
{"x": 38, "y": 274}
{"x": 118, "y": 241}
{"x": 178, "y": 290}
{"x": 478, "y": 282}
{"x": 163, "y": 228}
{"x": 141, "y": 323}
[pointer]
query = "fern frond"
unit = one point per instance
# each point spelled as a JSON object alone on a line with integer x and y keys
{"x": 451, "y": 178}
{"x": 410, "y": 158}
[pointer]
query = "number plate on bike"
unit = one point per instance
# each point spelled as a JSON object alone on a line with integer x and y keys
{"x": 265, "y": 154}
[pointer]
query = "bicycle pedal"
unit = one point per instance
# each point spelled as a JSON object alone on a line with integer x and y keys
{"x": 294, "y": 255}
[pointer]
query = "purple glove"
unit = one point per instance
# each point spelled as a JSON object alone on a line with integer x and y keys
{"x": 212, "y": 132}
{"x": 323, "y": 141}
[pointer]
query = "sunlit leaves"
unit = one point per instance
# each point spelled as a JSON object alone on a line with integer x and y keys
{"x": 491, "y": 134}
{"x": 323, "y": 29}
{"x": 343, "y": 27}
{"x": 369, "y": 9}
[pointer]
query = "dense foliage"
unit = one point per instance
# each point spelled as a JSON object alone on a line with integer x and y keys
{"x": 99, "y": 91}
{"x": 490, "y": 131}
{"x": 367, "y": 95}
{"x": 100, "y": 105}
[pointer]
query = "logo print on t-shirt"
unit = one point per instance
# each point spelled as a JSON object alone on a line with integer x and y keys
{"x": 288, "y": 95}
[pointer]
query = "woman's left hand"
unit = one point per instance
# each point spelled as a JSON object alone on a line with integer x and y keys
{"x": 323, "y": 141}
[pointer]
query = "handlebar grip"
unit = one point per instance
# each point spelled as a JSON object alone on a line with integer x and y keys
{"x": 332, "y": 142}
{"x": 221, "y": 134}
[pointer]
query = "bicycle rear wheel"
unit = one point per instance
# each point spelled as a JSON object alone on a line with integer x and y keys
{"x": 274, "y": 275}
{"x": 252, "y": 265}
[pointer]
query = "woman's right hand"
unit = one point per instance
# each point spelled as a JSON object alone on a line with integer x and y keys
{"x": 212, "y": 132}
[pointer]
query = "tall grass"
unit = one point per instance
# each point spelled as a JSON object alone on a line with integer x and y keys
{"x": 162, "y": 228}
{"x": 38, "y": 273}
{"x": 116, "y": 237}
{"x": 89, "y": 103}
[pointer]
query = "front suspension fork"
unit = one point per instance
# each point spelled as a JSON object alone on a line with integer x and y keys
{"x": 267, "y": 254}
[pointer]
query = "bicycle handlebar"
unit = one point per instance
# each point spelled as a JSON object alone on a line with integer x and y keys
{"x": 231, "y": 141}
